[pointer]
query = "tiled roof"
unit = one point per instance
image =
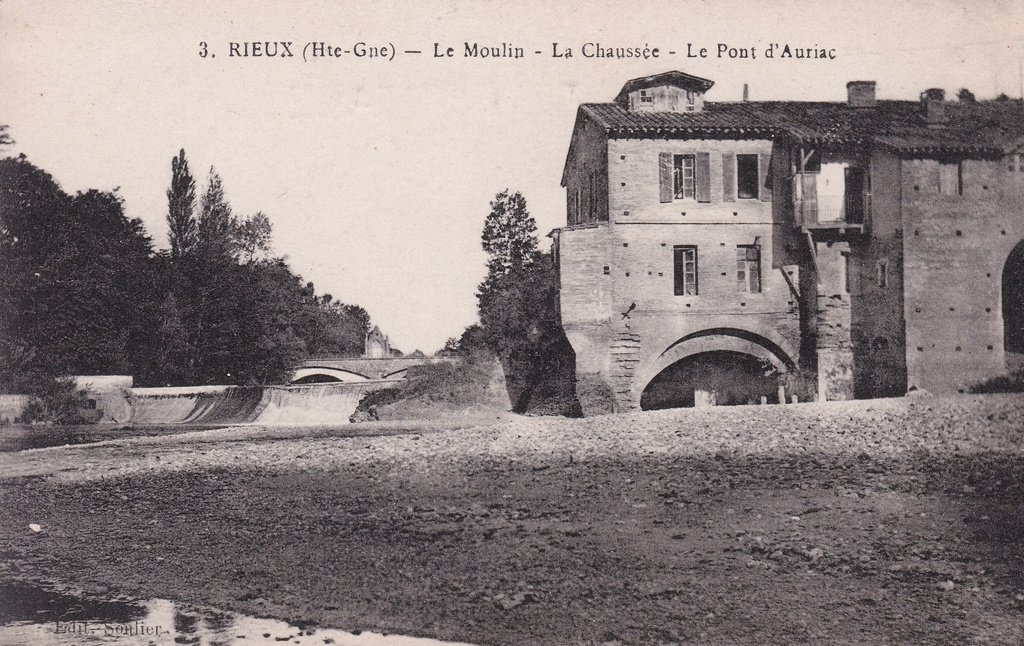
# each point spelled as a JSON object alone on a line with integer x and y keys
{"x": 678, "y": 79}
{"x": 988, "y": 126}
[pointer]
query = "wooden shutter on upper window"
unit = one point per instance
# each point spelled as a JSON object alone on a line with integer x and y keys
{"x": 665, "y": 176}
{"x": 702, "y": 173}
{"x": 728, "y": 177}
{"x": 762, "y": 170}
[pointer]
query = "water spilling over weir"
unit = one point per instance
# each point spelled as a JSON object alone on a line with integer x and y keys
{"x": 329, "y": 403}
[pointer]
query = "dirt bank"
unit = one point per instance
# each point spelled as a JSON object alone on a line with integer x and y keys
{"x": 895, "y": 521}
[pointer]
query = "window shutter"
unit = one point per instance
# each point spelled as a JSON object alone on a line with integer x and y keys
{"x": 665, "y": 176}
{"x": 728, "y": 177}
{"x": 762, "y": 168}
{"x": 702, "y": 174}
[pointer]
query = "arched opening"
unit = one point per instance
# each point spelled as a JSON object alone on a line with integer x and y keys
{"x": 721, "y": 377}
{"x": 1013, "y": 307}
{"x": 318, "y": 378}
{"x": 324, "y": 375}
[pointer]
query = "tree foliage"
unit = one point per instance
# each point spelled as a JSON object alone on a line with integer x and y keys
{"x": 181, "y": 208}
{"x": 517, "y": 302}
{"x": 82, "y": 291}
{"x": 250, "y": 237}
{"x": 215, "y": 219}
{"x": 75, "y": 274}
{"x": 509, "y": 237}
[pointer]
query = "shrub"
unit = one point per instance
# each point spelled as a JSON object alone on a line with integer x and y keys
{"x": 55, "y": 400}
{"x": 1011, "y": 383}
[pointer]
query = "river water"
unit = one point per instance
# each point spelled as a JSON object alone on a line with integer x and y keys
{"x": 33, "y": 614}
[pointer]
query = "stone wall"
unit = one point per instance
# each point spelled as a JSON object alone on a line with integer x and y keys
{"x": 878, "y": 330}
{"x": 12, "y": 407}
{"x": 833, "y": 322}
{"x": 607, "y": 268}
{"x": 586, "y": 175}
{"x": 955, "y": 247}
{"x": 110, "y": 395}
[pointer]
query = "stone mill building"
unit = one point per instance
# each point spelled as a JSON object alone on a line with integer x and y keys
{"x": 836, "y": 249}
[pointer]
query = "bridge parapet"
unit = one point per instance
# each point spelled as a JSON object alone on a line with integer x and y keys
{"x": 361, "y": 368}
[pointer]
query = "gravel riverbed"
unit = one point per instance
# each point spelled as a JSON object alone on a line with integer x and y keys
{"x": 886, "y": 521}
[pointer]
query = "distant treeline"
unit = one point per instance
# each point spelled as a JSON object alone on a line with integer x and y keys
{"x": 83, "y": 291}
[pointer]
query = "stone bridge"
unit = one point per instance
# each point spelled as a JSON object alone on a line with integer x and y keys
{"x": 333, "y": 369}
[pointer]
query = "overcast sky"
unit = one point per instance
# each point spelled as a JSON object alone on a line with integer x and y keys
{"x": 377, "y": 174}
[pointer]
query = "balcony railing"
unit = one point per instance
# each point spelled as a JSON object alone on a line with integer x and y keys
{"x": 827, "y": 211}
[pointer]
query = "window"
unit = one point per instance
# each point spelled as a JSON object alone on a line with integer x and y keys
{"x": 746, "y": 177}
{"x": 951, "y": 180}
{"x": 883, "y": 273}
{"x": 683, "y": 177}
{"x": 691, "y": 100}
{"x": 592, "y": 201}
{"x": 1015, "y": 162}
{"x": 685, "y": 261}
{"x": 645, "y": 97}
{"x": 748, "y": 268}
{"x": 578, "y": 215}
{"x": 850, "y": 278}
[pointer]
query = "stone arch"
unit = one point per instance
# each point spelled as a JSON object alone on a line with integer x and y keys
{"x": 1013, "y": 304}
{"x": 722, "y": 338}
{"x": 726, "y": 340}
{"x": 320, "y": 374}
{"x": 397, "y": 374}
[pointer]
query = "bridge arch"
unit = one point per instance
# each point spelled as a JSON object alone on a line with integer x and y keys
{"x": 325, "y": 374}
{"x": 1013, "y": 306}
{"x": 703, "y": 360}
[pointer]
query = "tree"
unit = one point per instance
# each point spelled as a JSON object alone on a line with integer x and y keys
{"x": 470, "y": 343}
{"x": 75, "y": 277}
{"x": 251, "y": 236}
{"x": 215, "y": 218}
{"x": 81, "y": 292}
{"x": 965, "y": 96}
{"x": 510, "y": 236}
{"x": 181, "y": 208}
{"x": 518, "y": 307}
{"x": 5, "y": 137}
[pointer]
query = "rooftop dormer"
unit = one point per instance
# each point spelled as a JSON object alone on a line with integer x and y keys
{"x": 666, "y": 92}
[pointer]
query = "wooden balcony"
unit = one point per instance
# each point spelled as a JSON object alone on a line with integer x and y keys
{"x": 832, "y": 213}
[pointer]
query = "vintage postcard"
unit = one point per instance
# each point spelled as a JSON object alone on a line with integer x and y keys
{"x": 450, "y": 322}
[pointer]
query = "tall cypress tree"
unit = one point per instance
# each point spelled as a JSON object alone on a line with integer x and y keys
{"x": 181, "y": 208}
{"x": 215, "y": 219}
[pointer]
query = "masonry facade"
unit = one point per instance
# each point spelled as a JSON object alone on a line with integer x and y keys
{"x": 864, "y": 247}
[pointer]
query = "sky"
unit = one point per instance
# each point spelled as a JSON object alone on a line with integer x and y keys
{"x": 377, "y": 173}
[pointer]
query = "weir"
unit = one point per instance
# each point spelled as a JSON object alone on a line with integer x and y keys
{"x": 330, "y": 403}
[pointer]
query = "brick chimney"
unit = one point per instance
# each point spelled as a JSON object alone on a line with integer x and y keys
{"x": 861, "y": 94}
{"x": 933, "y": 105}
